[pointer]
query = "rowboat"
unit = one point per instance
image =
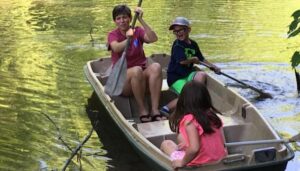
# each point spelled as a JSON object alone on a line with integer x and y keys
{"x": 251, "y": 142}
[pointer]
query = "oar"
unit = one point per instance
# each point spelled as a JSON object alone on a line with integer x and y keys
{"x": 262, "y": 94}
{"x": 116, "y": 80}
{"x": 295, "y": 138}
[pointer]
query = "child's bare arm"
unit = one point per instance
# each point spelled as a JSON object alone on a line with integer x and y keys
{"x": 192, "y": 150}
{"x": 194, "y": 60}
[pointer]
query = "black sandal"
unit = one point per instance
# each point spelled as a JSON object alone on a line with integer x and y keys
{"x": 145, "y": 118}
{"x": 159, "y": 117}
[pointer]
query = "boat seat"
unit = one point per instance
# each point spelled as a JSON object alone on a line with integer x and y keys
{"x": 156, "y": 131}
{"x": 152, "y": 129}
{"x": 237, "y": 133}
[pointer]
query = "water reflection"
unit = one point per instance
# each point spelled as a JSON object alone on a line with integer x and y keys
{"x": 44, "y": 45}
{"x": 120, "y": 152}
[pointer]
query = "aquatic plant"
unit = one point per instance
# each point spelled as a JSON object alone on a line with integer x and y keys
{"x": 294, "y": 29}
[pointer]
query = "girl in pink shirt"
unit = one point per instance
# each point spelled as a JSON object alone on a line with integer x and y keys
{"x": 200, "y": 138}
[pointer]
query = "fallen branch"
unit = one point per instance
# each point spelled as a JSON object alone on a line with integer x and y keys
{"x": 59, "y": 133}
{"x": 78, "y": 148}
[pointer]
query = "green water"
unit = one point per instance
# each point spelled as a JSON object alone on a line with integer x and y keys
{"x": 44, "y": 45}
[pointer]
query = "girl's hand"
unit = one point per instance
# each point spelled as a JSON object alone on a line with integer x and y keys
{"x": 177, "y": 163}
{"x": 181, "y": 146}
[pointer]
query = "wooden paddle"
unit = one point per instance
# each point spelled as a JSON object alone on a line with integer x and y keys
{"x": 262, "y": 94}
{"x": 116, "y": 80}
{"x": 295, "y": 138}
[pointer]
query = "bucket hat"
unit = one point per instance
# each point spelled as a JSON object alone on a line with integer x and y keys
{"x": 181, "y": 21}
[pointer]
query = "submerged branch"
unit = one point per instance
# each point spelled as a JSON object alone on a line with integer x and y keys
{"x": 59, "y": 133}
{"x": 78, "y": 146}
{"x": 77, "y": 149}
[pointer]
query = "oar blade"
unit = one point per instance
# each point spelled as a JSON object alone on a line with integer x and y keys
{"x": 264, "y": 95}
{"x": 116, "y": 80}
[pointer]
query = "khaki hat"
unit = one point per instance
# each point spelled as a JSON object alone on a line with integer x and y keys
{"x": 180, "y": 21}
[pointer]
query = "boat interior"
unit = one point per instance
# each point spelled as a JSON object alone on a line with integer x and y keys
{"x": 242, "y": 122}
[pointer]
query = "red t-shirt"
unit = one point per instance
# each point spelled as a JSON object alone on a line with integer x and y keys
{"x": 135, "y": 54}
{"x": 211, "y": 145}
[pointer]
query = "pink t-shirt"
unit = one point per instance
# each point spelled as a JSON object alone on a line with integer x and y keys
{"x": 135, "y": 54}
{"x": 211, "y": 145}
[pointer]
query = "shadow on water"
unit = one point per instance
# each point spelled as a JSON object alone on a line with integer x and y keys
{"x": 122, "y": 155}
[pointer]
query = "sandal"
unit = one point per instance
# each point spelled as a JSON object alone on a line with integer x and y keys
{"x": 145, "y": 118}
{"x": 159, "y": 117}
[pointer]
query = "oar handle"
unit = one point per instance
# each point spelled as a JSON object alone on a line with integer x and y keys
{"x": 247, "y": 85}
{"x": 237, "y": 80}
{"x": 132, "y": 26}
{"x": 204, "y": 64}
{"x": 222, "y": 73}
{"x": 136, "y": 15}
{"x": 266, "y": 95}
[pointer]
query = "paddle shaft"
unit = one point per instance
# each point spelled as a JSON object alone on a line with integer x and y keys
{"x": 246, "y": 85}
{"x": 132, "y": 26}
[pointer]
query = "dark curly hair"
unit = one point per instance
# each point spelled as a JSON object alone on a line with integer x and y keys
{"x": 121, "y": 9}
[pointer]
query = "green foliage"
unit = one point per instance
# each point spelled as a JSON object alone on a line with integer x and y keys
{"x": 294, "y": 30}
{"x": 296, "y": 14}
{"x": 295, "y": 59}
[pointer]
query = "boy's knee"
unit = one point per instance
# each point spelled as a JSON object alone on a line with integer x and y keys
{"x": 201, "y": 76}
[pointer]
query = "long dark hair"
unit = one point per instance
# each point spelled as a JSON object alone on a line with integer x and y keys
{"x": 195, "y": 99}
